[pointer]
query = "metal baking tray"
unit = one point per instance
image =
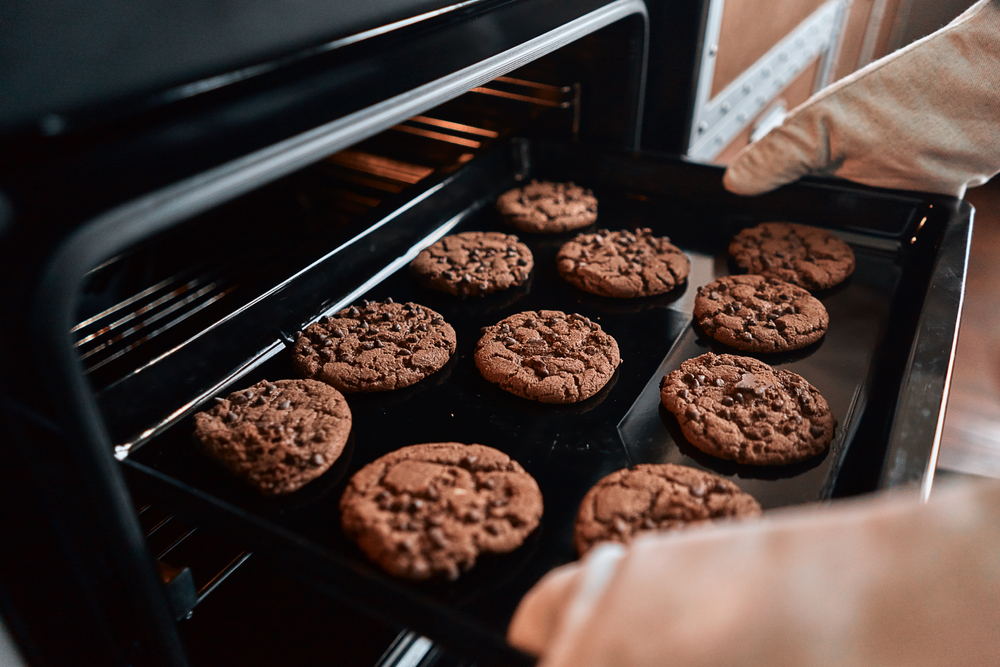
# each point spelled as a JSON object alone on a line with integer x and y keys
{"x": 883, "y": 366}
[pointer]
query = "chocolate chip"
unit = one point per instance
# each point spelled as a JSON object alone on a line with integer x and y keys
{"x": 437, "y": 536}
{"x": 816, "y": 431}
{"x": 284, "y": 405}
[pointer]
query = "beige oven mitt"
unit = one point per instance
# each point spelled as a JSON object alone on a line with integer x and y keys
{"x": 885, "y": 581}
{"x": 926, "y": 117}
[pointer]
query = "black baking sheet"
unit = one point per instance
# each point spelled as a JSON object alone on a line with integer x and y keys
{"x": 567, "y": 448}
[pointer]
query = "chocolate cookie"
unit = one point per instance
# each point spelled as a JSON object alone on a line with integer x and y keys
{"x": 759, "y": 314}
{"x": 548, "y": 207}
{"x": 277, "y": 435}
{"x": 429, "y": 510}
{"x": 377, "y": 347}
{"x": 623, "y": 264}
{"x": 655, "y": 496}
{"x": 806, "y": 256}
{"x": 741, "y": 409}
{"x": 473, "y": 263}
{"x": 547, "y": 356}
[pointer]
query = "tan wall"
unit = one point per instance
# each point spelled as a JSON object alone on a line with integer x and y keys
{"x": 853, "y": 37}
{"x": 749, "y": 29}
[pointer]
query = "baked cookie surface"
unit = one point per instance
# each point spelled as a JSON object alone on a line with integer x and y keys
{"x": 741, "y": 409}
{"x": 623, "y": 264}
{"x": 547, "y": 356}
{"x": 759, "y": 314}
{"x": 473, "y": 263}
{"x": 799, "y": 254}
{"x": 377, "y": 347}
{"x": 278, "y": 435}
{"x": 545, "y": 207}
{"x": 655, "y": 496}
{"x": 430, "y": 510}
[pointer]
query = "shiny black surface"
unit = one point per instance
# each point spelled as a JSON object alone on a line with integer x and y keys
{"x": 568, "y": 448}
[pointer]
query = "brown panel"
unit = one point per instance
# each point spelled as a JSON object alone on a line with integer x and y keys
{"x": 797, "y": 92}
{"x": 883, "y": 45}
{"x": 749, "y": 29}
{"x": 854, "y": 37}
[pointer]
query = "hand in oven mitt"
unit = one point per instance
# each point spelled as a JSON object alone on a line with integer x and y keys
{"x": 926, "y": 117}
{"x": 883, "y": 581}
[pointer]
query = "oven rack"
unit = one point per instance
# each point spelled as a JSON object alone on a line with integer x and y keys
{"x": 162, "y": 297}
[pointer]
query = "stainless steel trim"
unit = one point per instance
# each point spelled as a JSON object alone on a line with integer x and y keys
{"x": 407, "y": 651}
{"x": 718, "y": 120}
{"x": 915, "y": 438}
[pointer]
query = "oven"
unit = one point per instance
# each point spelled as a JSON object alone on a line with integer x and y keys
{"x": 164, "y": 240}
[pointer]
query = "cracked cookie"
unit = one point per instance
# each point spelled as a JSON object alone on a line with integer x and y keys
{"x": 430, "y": 510}
{"x": 547, "y": 356}
{"x": 741, "y": 409}
{"x": 805, "y": 256}
{"x": 473, "y": 263}
{"x": 279, "y": 435}
{"x": 759, "y": 314}
{"x": 548, "y": 207}
{"x": 655, "y": 496}
{"x": 623, "y": 264}
{"x": 377, "y": 347}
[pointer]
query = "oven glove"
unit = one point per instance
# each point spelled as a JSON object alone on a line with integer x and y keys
{"x": 881, "y": 581}
{"x": 926, "y": 117}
